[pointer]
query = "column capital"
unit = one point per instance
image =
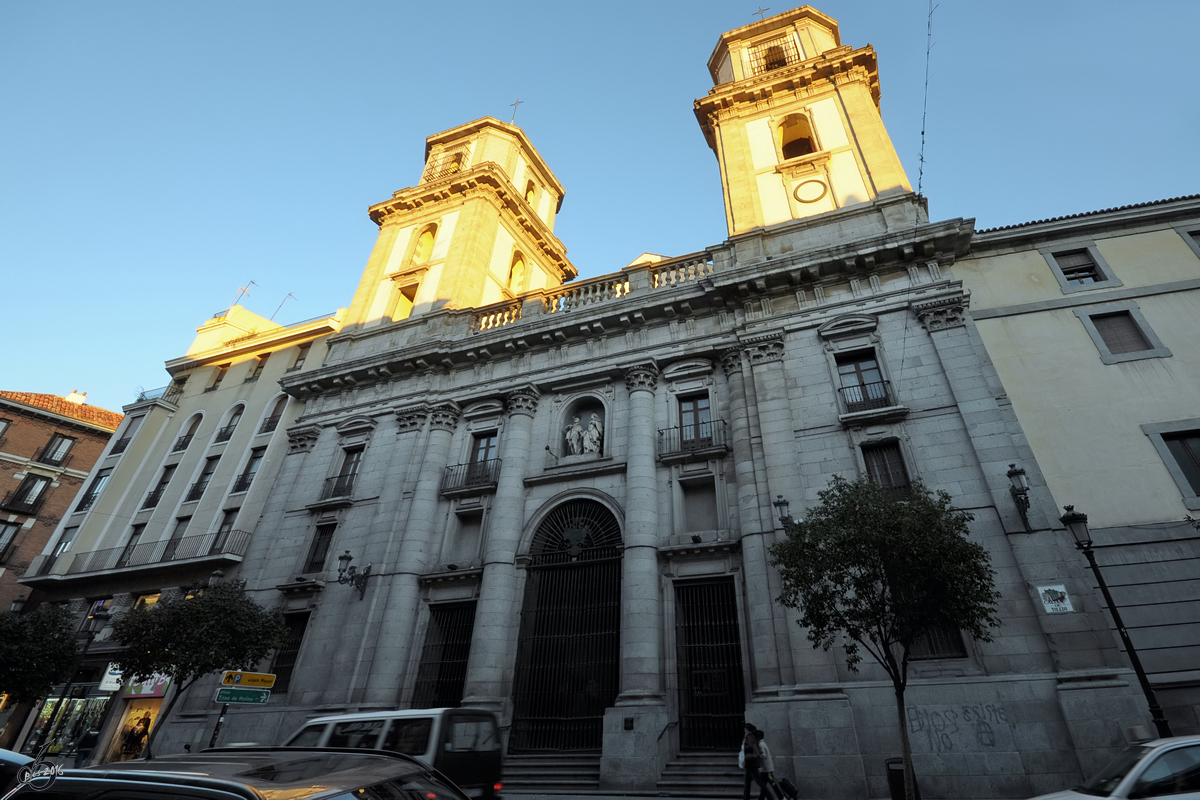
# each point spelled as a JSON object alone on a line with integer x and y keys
{"x": 410, "y": 419}
{"x": 301, "y": 438}
{"x": 444, "y": 416}
{"x": 731, "y": 361}
{"x": 643, "y": 377}
{"x": 941, "y": 312}
{"x": 762, "y": 349}
{"x": 522, "y": 401}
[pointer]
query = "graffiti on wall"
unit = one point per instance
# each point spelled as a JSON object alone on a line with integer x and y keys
{"x": 959, "y": 729}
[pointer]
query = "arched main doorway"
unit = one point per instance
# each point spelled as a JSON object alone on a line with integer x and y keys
{"x": 569, "y": 647}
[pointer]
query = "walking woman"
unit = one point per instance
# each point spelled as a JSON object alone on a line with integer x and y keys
{"x": 755, "y": 759}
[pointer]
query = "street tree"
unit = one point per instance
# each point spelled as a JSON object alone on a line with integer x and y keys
{"x": 192, "y": 634}
{"x": 879, "y": 574}
{"x": 37, "y": 650}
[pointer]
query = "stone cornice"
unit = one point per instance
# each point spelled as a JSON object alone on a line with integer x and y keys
{"x": 488, "y": 181}
{"x": 271, "y": 339}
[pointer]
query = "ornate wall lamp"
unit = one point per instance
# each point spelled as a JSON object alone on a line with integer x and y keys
{"x": 785, "y": 515}
{"x": 1076, "y": 523}
{"x": 348, "y": 575}
{"x": 1020, "y": 493}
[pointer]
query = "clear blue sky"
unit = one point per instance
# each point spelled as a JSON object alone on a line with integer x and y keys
{"x": 158, "y": 155}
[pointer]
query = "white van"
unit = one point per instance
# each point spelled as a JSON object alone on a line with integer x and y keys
{"x": 461, "y": 743}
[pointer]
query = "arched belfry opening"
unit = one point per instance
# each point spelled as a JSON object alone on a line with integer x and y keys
{"x": 569, "y": 647}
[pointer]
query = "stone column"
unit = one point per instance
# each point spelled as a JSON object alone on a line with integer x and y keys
{"x": 394, "y": 650}
{"x": 634, "y": 753}
{"x": 764, "y": 660}
{"x": 497, "y": 613}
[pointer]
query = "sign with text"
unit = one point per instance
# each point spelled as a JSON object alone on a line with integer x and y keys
{"x": 259, "y": 696}
{"x": 154, "y": 686}
{"x": 111, "y": 680}
{"x": 1055, "y": 599}
{"x": 260, "y": 680}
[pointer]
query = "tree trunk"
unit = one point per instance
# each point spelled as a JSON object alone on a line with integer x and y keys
{"x": 910, "y": 781}
{"x": 176, "y": 693}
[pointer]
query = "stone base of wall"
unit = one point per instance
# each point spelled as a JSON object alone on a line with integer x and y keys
{"x": 635, "y": 747}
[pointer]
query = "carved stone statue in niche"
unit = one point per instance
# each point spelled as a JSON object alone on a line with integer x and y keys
{"x": 575, "y": 438}
{"x": 593, "y": 438}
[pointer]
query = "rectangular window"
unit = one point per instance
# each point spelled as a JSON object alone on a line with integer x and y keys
{"x": 400, "y": 304}
{"x": 157, "y": 493}
{"x": 223, "y": 531}
{"x": 699, "y": 505}
{"x": 102, "y": 606}
{"x": 284, "y": 663}
{"x": 300, "y": 357}
{"x": 941, "y": 643}
{"x": 55, "y": 453}
{"x": 695, "y": 422}
{"x": 260, "y": 363}
{"x": 247, "y": 477}
{"x": 131, "y": 428}
{"x": 27, "y": 498}
{"x": 8, "y": 539}
{"x": 320, "y": 548}
{"x": 147, "y": 600}
{"x": 342, "y": 484}
{"x": 773, "y": 54}
{"x": 172, "y": 548}
{"x": 65, "y": 541}
{"x": 197, "y": 490}
{"x": 443, "y": 669}
{"x": 1079, "y": 267}
{"x": 863, "y": 387}
{"x": 1184, "y": 447}
{"x": 885, "y": 465}
{"x": 1121, "y": 333}
{"x": 217, "y": 378}
{"x": 4, "y": 424}
{"x": 98, "y": 484}
{"x": 128, "y": 555}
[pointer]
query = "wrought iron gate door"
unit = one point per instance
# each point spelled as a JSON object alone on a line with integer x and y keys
{"x": 709, "y": 653}
{"x": 569, "y": 647}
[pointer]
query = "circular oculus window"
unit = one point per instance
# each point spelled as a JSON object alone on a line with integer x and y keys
{"x": 810, "y": 191}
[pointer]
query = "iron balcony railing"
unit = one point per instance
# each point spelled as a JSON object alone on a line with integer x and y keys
{"x": 867, "y": 396}
{"x": 49, "y": 457}
{"x": 225, "y": 434}
{"x": 687, "y": 438}
{"x": 87, "y": 502}
{"x": 447, "y": 166}
{"x": 154, "y": 496}
{"x": 169, "y": 394}
{"x": 120, "y": 445}
{"x": 270, "y": 423}
{"x": 182, "y": 442}
{"x": 205, "y": 544}
{"x": 476, "y": 475}
{"x": 197, "y": 490}
{"x": 21, "y": 505}
{"x": 337, "y": 486}
{"x": 243, "y": 482}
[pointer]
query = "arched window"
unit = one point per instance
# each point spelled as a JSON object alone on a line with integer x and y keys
{"x": 516, "y": 273}
{"x": 424, "y": 246}
{"x": 796, "y": 137}
{"x": 530, "y": 192}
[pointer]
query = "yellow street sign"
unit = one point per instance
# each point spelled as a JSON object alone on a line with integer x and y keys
{"x": 260, "y": 680}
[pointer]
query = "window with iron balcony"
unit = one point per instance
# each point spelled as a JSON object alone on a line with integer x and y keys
{"x": 863, "y": 387}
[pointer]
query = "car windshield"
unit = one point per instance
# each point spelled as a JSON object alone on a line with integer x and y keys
{"x": 1105, "y": 781}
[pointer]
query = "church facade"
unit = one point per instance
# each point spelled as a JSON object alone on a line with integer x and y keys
{"x": 562, "y": 492}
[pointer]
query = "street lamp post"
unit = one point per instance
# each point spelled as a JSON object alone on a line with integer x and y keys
{"x": 1076, "y": 523}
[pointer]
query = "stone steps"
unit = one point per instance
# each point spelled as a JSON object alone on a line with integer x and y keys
{"x": 557, "y": 773}
{"x": 708, "y": 774}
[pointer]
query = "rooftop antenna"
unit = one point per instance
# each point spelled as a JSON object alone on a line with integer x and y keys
{"x": 762, "y": 12}
{"x": 285, "y": 299}
{"x": 514, "y": 105}
{"x": 242, "y": 291}
{"x": 925, "y": 106}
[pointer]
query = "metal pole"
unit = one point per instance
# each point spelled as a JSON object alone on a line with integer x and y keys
{"x": 212, "y": 742}
{"x": 1156, "y": 712}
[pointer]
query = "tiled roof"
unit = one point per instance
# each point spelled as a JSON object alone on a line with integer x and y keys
{"x": 58, "y": 405}
{"x": 1090, "y": 213}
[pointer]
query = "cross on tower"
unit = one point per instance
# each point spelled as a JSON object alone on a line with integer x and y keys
{"x": 514, "y": 106}
{"x": 762, "y": 13}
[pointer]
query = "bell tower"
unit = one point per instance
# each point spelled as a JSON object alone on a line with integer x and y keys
{"x": 793, "y": 118}
{"x": 476, "y": 229}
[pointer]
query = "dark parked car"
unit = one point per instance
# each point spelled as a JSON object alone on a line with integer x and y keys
{"x": 255, "y": 773}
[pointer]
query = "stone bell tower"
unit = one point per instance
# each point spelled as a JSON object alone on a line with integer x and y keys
{"x": 794, "y": 121}
{"x": 475, "y": 230}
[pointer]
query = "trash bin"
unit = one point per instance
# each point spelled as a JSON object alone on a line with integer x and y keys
{"x": 895, "y": 778}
